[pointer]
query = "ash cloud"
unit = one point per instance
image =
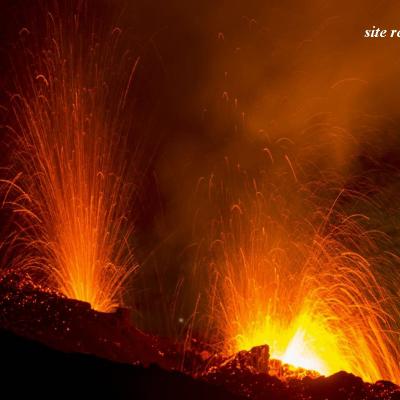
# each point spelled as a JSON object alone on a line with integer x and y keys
{"x": 234, "y": 78}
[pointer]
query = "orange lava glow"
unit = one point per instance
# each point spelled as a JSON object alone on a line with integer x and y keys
{"x": 71, "y": 194}
{"x": 306, "y": 344}
{"x": 302, "y": 278}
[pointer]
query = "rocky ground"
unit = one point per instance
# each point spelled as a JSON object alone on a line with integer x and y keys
{"x": 47, "y": 339}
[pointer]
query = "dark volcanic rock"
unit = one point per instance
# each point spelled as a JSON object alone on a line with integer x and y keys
{"x": 72, "y": 327}
{"x": 254, "y": 360}
{"x": 339, "y": 386}
{"x": 259, "y": 386}
{"x": 33, "y": 371}
{"x": 244, "y": 375}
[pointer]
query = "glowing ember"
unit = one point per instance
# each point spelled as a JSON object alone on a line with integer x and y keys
{"x": 71, "y": 196}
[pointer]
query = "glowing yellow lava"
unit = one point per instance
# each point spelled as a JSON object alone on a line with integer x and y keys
{"x": 305, "y": 344}
{"x": 301, "y": 352}
{"x": 301, "y": 278}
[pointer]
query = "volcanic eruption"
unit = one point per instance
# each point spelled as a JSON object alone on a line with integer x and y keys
{"x": 265, "y": 224}
{"x": 72, "y": 191}
{"x": 294, "y": 270}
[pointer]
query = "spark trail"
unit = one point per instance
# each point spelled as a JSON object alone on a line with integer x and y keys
{"x": 72, "y": 195}
{"x": 293, "y": 269}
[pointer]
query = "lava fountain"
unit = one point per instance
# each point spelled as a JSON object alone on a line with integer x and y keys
{"x": 70, "y": 195}
{"x": 293, "y": 269}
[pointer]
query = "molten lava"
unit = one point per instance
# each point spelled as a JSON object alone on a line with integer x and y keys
{"x": 301, "y": 275}
{"x": 306, "y": 344}
{"x": 302, "y": 351}
{"x": 71, "y": 194}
